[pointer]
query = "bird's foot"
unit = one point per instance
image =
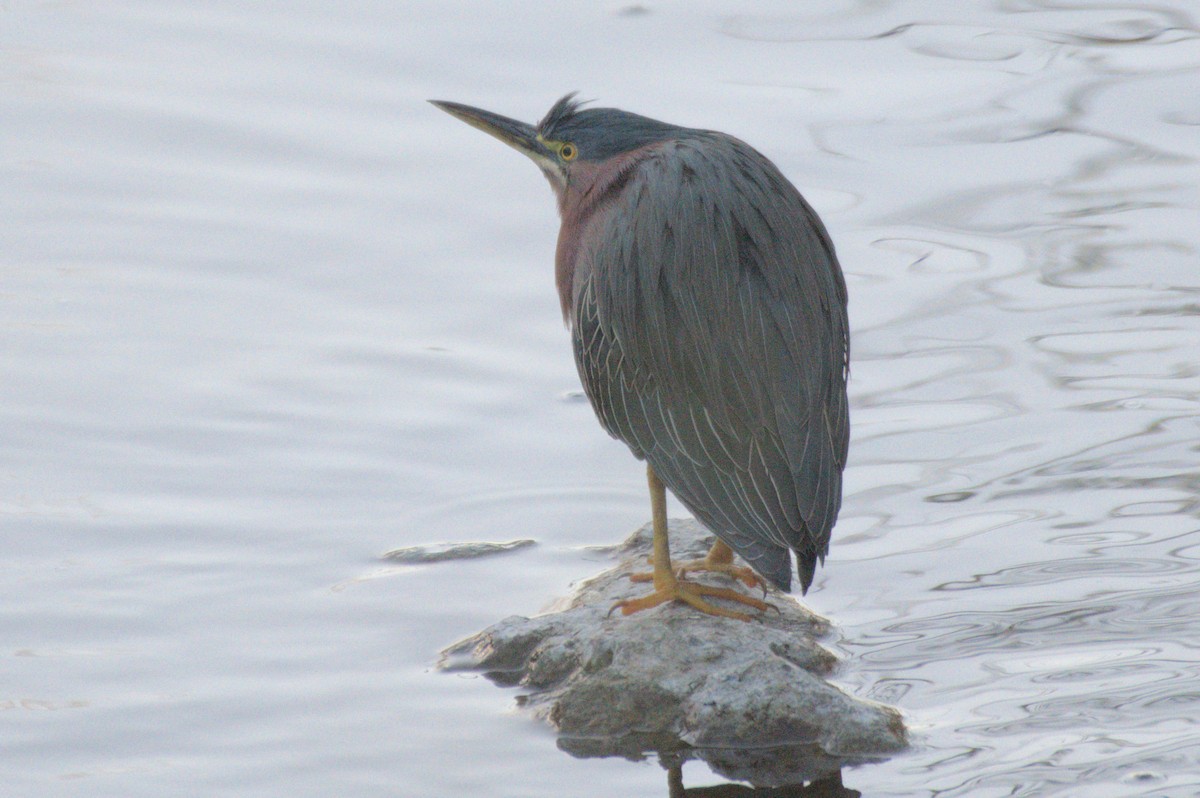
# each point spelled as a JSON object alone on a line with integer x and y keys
{"x": 693, "y": 594}
{"x": 717, "y": 566}
{"x": 739, "y": 572}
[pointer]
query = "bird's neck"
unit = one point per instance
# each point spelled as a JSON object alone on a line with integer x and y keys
{"x": 582, "y": 203}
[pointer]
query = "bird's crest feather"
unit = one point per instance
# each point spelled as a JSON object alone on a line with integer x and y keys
{"x": 566, "y": 107}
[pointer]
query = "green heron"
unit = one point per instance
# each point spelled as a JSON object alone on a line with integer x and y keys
{"x": 707, "y": 312}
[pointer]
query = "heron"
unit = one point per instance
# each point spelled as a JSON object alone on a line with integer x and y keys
{"x": 707, "y": 314}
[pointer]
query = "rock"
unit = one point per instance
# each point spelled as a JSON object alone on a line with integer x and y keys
{"x": 441, "y": 552}
{"x": 750, "y": 698}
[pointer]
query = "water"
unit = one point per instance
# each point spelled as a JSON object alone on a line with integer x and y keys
{"x": 268, "y": 315}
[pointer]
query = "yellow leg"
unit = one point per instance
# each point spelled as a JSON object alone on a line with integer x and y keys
{"x": 668, "y": 586}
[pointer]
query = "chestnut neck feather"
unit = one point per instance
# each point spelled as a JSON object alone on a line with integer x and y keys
{"x": 590, "y": 190}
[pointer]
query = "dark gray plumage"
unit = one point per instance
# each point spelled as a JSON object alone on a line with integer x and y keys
{"x": 711, "y": 337}
{"x": 708, "y": 317}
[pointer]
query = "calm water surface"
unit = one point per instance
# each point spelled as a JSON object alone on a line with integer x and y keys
{"x": 266, "y": 315}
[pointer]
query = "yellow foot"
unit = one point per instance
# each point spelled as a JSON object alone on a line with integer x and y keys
{"x": 691, "y": 593}
{"x": 739, "y": 572}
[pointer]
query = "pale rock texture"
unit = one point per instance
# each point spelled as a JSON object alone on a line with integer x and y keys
{"x": 750, "y": 698}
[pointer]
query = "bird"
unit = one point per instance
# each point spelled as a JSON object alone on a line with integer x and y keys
{"x": 707, "y": 313}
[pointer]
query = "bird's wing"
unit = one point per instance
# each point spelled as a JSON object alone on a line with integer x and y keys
{"x": 711, "y": 336}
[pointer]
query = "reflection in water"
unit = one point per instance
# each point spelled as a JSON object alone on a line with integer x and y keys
{"x": 828, "y": 786}
{"x": 776, "y": 771}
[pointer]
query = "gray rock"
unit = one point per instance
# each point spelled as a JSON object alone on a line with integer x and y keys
{"x": 750, "y": 698}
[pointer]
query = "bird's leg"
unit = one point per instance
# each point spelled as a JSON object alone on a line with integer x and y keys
{"x": 667, "y": 585}
{"x": 720, "y": 560}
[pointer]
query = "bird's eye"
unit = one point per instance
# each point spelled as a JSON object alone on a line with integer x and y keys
{"x": 568, "y": 152}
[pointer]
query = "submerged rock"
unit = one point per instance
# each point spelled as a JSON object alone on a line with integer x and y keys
{"x": 442, "y": 552}
{"x": 751, "y": 698}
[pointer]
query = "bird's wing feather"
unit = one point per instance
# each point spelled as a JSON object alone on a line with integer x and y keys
{"x": 711, "y": 336}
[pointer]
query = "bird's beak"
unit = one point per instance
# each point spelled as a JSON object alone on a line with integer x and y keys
{"x": 517, "y": 135}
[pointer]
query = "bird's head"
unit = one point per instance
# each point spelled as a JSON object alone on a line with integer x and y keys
{"x": 570, "y": 141}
